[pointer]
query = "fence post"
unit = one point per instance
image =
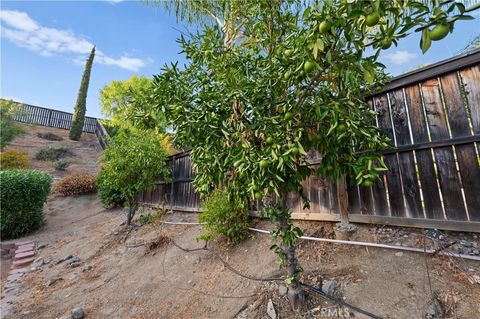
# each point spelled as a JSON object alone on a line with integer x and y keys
{"x": 50, "y": 117}
{"x": 342, "y": 199}
{"x": 172, "y": 189}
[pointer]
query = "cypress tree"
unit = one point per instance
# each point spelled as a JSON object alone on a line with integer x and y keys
{"x": 81, "y": 106}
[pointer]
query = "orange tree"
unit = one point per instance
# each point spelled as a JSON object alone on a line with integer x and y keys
{"x": 271, "y": 80}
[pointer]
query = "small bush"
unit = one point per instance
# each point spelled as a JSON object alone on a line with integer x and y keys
{"x": 61, "y": 165}
{"x": 8, "y": 127}
{"x": 52, "y": 153}
{"x": 77, "y": 183}
{"x": 23, "y": 193}
{"x": 14, "y": 159}
{"x": 50, "y": 136}
{"x": 151, "y": 217}
{"x": 108, "y": 196}
{"x": 224, "y": 215}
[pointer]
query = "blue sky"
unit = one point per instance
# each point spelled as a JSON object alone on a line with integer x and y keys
{"x": 44, "y": 45}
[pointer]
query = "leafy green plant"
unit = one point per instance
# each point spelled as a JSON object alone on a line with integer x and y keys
{"x": 77, "y": 183}
{"x": 150, "y": 218}
{"x": 14, "y": 159}
{"x": 78, "y": 118}
{"x": 52, "y": 153}
{"x": 224, "y": 214}
{"x": 109, "y": 196}
{"x": 132, "y": 163}
{"x": 128, "y": 104}
{"x": 50, "y": 136}
{"x": 8, "y": 128}
{"x": 111, "y": 128}
{"x": 268, "y": 81}
{"x": 61, "y": 165}
{"x": 23, "y": 193}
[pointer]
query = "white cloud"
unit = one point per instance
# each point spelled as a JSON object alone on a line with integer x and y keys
{"x": 400, "y": 57}
{"x": 19, "y": 20}
{"x": 19, "y": 28}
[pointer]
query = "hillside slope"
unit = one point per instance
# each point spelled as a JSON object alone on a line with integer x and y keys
{"x": 85, "y": 152}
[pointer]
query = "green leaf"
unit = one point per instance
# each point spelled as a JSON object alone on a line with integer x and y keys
{"x": 320, "y": 45}
{"x": 425, "y": 41}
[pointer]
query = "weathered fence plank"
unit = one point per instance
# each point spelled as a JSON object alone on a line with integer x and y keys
{"x": 447, "y": 172}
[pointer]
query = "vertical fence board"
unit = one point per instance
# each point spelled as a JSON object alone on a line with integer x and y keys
{"x": 394, "y": 183}
{"x": 471, "y": 81}
{"x": 447, "y": 172}
{"x": 466, "y": 155}
{"x": 411, "y": 190}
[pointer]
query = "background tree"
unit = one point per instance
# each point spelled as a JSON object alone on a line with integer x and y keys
{"x": 128, "y": 104}
{"x": 80, "y": 109}
{"x": 8, "y": 127}
{"x": 268, "y": 81}
{"x": 131, "y": 163}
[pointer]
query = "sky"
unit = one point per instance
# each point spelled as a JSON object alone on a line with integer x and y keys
{"x": 44, "y": 46}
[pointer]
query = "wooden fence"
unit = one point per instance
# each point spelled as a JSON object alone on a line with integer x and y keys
{"x": 432, "y": 117}
{"x": 32, "y": 114}
{"x": 178, "y": 195}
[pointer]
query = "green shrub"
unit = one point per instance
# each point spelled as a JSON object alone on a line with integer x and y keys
{"x": 22, "y": 195}
{"x": 77, "y": 183}
{"x": 111, "y": 129}
{"x": 14, "y": 159}
{"x": 61, "y": 165}
{"x": 52, "y": 153}
{"x": 50, "y": 136}
{"x": 224, "y": 214}
{"x": 150, "y": 218}
{"x": 8, "y": 128}
{"x": 108, "y": 196}
{"x": 132, "y": 163}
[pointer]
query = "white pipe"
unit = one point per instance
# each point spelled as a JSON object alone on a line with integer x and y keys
{"x": 181, "y": 223}
{"x": 357, "y": 243}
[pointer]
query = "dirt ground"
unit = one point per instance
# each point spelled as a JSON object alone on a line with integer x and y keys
{"x": 85, "y": 152}
{"x": 139, "y": 272}
{"x": 120, "y": 277}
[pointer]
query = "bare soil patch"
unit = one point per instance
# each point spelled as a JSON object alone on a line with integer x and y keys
{"x": 138, "y": 273}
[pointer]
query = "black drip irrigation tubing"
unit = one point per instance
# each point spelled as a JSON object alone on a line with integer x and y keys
{"x": 316, "y": 290}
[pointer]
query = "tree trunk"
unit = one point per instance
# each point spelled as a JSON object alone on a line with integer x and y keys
{"x": 342, "y": 199}
{"x": 129, "y": 215}
{"x": 296, "y": 294}
{"x": 132, "y": 207}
